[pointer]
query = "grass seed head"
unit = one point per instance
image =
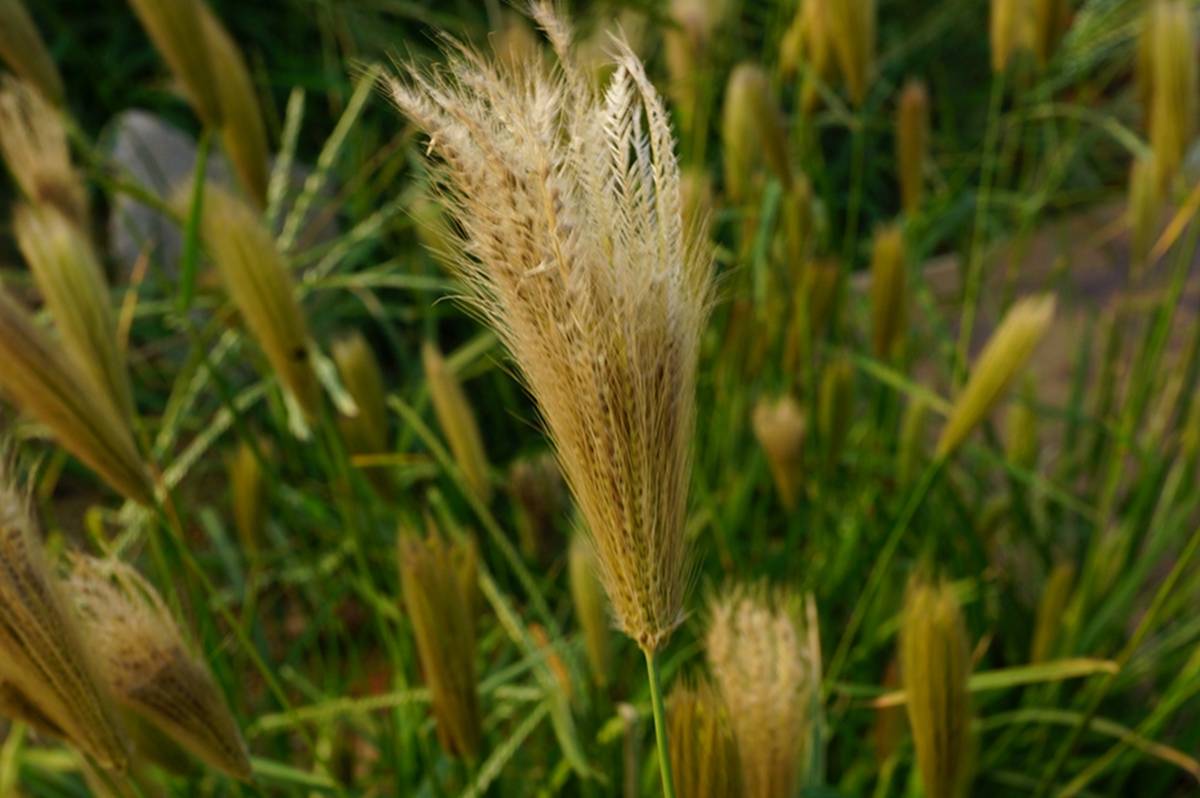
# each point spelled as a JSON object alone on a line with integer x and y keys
{"x": 800, "y": 218}
{"x": 835, "y": 407}
{"x": 367, "y": 432}
{"x": 703, "y": 751}
{"x": 1051, "y": 18}
{"x": 821, "y": 282}
{"x": 591, "y": 607}
{"x": 33, "y": 141}
{"x": 752, "y": 131}
{"x": 1011, "y": 31}
{"x": 852, "y": 36}
{"x": 889, "y": 291}
{"x": 1168, "y": 78}
{"x": 780, "y": 426}
{"x": 911, "y": 451}
{"x": 540, "y": 498}
{"x": 574, "y": 248}
{"x": 1051, "y": 608}
{"x": 1144, "y": 208}
{"x": 912, "y": 143}
{"x": 817, "y": 48}
{"x": 457, "y": 420}
{"x": 1021, "y": 430}
{"x": 25, "y": 53}
{"x": 687, "y": 44}
{"x": 1001, "y": 361}
{"x": 174, "y": 26}
{"x": 247, "y": 491}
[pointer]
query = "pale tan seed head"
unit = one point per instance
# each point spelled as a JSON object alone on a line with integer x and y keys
{"x": 852, "y": 36}
{"x": 703, "y": 751}
{"x": 33, "y": 142}
{"x": 591, "y": 607}
{"x": 38, "y": 377}
{"x": 71, "y": 281}
{"x": 935, "y": 664}
{"x": 1169, "y": 83}
{"x": 912, "y": 143}
{"x": 457, "y": 420}
{"x": 438, "y": 584}
{"x": 780, "y": 426}
{"x": 261, "y": 287}
{"x": 1001, "y": 361}
{"x": 1051, "y": 608}
{"x": 148, "y": 667}
{"x": 174, "y": 26}
{"x": 24, "y": 52}
{"x": 889, "y": 291}
{"x": 366, "y": 432}
{"x": 47, "y": 669}
{"x": 764, "y": 667}
{"x": 574, "y": 248}
{"x": 540, "y": 498}
{"x": 752, "y": 132}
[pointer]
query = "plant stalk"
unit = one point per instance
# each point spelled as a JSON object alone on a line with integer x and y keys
{"x": 660, "y": 725}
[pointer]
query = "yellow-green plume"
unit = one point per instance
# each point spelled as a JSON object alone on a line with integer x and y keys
{"x": 751, "y": 131}
{"x": 540, "y": 499}
{"x": 151, "y": 672}
{"x": 175, "y": 28}
{"x": 1000, "y": 362}
{"x": 1167, "y": 63}
{"x": 1050, "y": 21}
{"x": 22, "y": 49}
{"x": 912, "y": 143}
{"x": 44, "y": 383}
{"x": 687, "y": 42}
{"x": 366, "y": 432}
{"x": 438, "y": 583}
{"x": 1144, "y": 210}
{"x": 889, "y": 291}
{"x": 1011, "y": 30}
{"x": 704, "y": 755}
{"x": 260, "y": 285}
{"x": 33, "y": 142}
{"x": 835, "y": 407}
{"x": 780, "y": 427}
{"x": 821, "y": 280}
{"x": 852, "y": 34}
{"x": 935, "y": 663}
{"x": 1021, "y": 430}
{"x": 591, "y": 607}
{"x": 799, "y": 211}
{"x": 457, "y": 420}
{"x": 813, "y": 18}
{"x": 911, "y": 453}
{"x": 247, "y": 493}
{"x": 1051, "y": 608}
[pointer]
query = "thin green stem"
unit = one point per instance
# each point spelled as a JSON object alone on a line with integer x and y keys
{"x": 191, "y": 243}
{"x": 660, "y": 725}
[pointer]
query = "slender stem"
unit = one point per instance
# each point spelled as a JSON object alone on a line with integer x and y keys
{"x": 191, "y": 242}
{"x": 660, "y": 725}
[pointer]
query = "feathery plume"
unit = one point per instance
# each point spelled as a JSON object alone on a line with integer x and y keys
{"x": 22, "y": 48}
{"x": 889, "y": 291}
{"x": 33, "y": 142}
{"x": 761, "y": 662}
{"x": 935, "y": 660}
{"x": 71, "y": 281}
{"x": 574, "y": 249}
{"x": 143, "y": 658}
{"x": 261, "y": 287}
{"x": 42, "y": 382}
{"x": 852, "y": 36}
{"x": 780, "y": 427}
{"x": 1167, "y": 63}
{"x": 835, "y": 407}
{"x": 438, "y": 584}
{"x": 247, "y": 491}
{"x": 1051, "y": 19}
{"x": 45, "y": 669}
{"x": 1002, "y": 359}
{"x": 591, "y": 607}
{"x": 912, "y": 143}
{"x": 457, "y": 420}
{"x": 174, "y": 26}
{"x": 367, "y": 432}
{"x": 1056, "y": 595}
{"x": 704, "y": 752}
{"x": 540, "y": 497}
{"x": 1144, "y": 208}
{"x": 751, "y": 131}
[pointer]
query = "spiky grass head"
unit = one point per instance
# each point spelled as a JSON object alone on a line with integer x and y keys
{"x": 889, "y": 291}
{"x": 574, "y": 248}
{"x": 591, "y": 607}
{"x": 22, "y": 49}
{"x": 247, "y": 493}
{"x": 703, "y": 750}
{"x": 851, "y": 25}
{"x": 1168, "y": 77}
{"x": 33, "y": 141}
{"x": 175, "y": 28}
{"x": 539, "y": 494}
{"x": 752, "y": 132}
{"x": 912, "y": 143}
{"x": 1144, "y": 208}
{"x": 366, "y": 432}
{"x": 457, "y": 420}
{"x": 781, "y": 427}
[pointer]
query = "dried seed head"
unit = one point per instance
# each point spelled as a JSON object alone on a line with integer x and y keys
{"x": 457, "y": 420}
{"x": 260, "y": 285}
{"x": 540, "y": 496}
{"x": 889, "y": 291}
{"x": 852, "y": 34}
{"x": 144, "y": 660}
{"x": 1051, "y": 18}
{"x": 175, "y": 28}
{"x": 42, "y": 382}
{"x": 780, "y": 427}
{"x": 574, "y": 248}
{"x": 45, "y": 668}
{"x": 752, "y": 131}
{"x": 33, "y": 142}
{"x": 71, "y": 281}
{"x": 1056, "y": 595}
{"x": 704, "y": 756}
{"x": 912, "y": 143}
{"x": 912, "y": 440}
{"x": 1145, "y": 207}
{"x": 438, "y": 583}
{"x": 22, "y": 49}
{"x": 367, "y": 432}
{"x": 1011, "y": 31}
{"x": 591, "y": 607}
{"x": 1168, "y": 78}
{"x": 514, "y": 43}
{"x": 835, "y": 407}
{"x": 247, "y": 491}
{"x": 762, "y": 664}
{"x": 935, "y": 662}
{"x": 1021, "y": 430}
{"x": 1001, "y": 361}
{"x": 243, "y": 133}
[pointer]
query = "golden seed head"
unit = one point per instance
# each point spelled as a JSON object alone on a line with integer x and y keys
{"x": 174, "y": 27}
{"x": 1001, "y": 361}
{"x": 821, "y": 280}
{"x": 780, "y": 427}
{"x": 813, "y": 18}
{"x": 71, "y": 281}
{"x": 151, "y": 672}
{"x": 852, "y": 36}
{"x": 247, "y": 491}
{"x": 587, "y": 272}
{"x": 687, "y": 41}
{"x": 1051, "y": 18}
{"x": 33, "y": 142}
{"x": 1168, "y": 79}
{"x": 367, "y": 432}
{"x": 43, "y": 382}
{"x": 1056, "y": 595}
{"x": 752, "y": 130}
{"x": 1011, "y": 31}
{"x": 22, "y": 49}
{"x": 45, "y": 666}
{"x": 935, "y": 663}
{"x": 1021, "y": 430}
{"x": 439, "y": 587}
{"x": 889, "y": 291}
{"x": 243, "y": 132}
{"x": 887, "y": 732}
{"x": 799, "y": 212}
{"x": 457, "y": 420}
{"x": 912, "y": 143}
{"x": 433, "y": 229}
{"x": 260, "y": 285}
{"x": 591, "y": 607}
{"x": 835, "y": 406}
{"x": 912, "y": 440}
{"x": 540, "y": 496}
{"x": 765, "y": 669}
{"x": 703, "y": 751}
{"x": 1145, "y": 207}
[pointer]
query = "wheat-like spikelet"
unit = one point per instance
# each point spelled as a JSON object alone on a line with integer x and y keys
{"x": 835, "y": 407}
{"x": 457, "y": 421}
{"x": 71, "y": 281}
{"x": 780, "y": 426}
{"x": 591, "y": 607}
{"x": 366, "y": 432}
{"x": 22, "y": 49}
{"x": 852, "y": 36}
{"x": 752, "y": 131}
{"x": 260, "y": 285}
{"x": 704, "y": 752}
{"x": 761, "y": 662}
{"x": 1001, "y": 361}
{"x": 574, "y": 249}
{"x": 912, "y": 143}
{"x": 540, "y": 498}
{"x": 45, "y": 667}
{"x": 175, "y": 28}
{"x": 144, "y": 660}
{"x": 1051, "y": 18}
{"x": 813, "y": 18}
{"x": 43, "y": 382}
{"x": 935, "y": 663}
{"x": 33, "y": 142}
{"x": 247, "y": 492}
{"x": 1010, "y": 29}
{"x": 438, "y": 583}
{"x": 1052, "y": 606}
{"x": 1168, "y": 79}
{"x": 889, "y": 291}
